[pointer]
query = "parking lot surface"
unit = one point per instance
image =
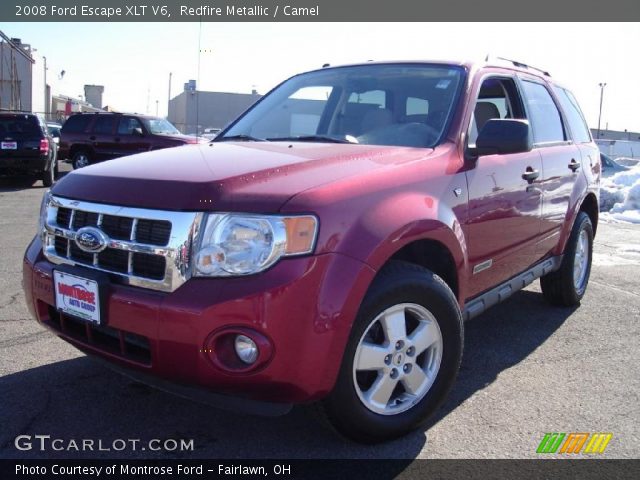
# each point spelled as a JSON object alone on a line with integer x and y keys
{"x": 528, "y": 369}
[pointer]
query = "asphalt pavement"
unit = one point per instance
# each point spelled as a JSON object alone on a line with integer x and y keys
{"x": 528, "y": 369}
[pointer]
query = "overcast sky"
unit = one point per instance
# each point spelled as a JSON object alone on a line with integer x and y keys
{"x": 133, "y": 60}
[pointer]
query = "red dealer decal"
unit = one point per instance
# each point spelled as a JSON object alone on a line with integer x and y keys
{"x": 77, "y": 293}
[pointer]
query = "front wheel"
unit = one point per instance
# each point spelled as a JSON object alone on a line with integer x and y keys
{"x": 402, "y": 358}
{"x": 567, "y": 285}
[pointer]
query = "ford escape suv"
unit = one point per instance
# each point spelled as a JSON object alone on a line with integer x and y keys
{"x": 26, "y": 147}
{"x": 329, "y": 244}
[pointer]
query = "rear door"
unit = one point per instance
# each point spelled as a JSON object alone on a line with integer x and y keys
{"x": 504, "y": 208}
{"x": 580, "y": 134}
{"x": 561, "y": 160}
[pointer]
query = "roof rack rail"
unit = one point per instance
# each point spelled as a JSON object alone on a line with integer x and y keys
{"x": 518, "y": 64}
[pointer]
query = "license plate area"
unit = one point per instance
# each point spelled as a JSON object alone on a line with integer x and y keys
{"x": 9, "y": 145}
{"x": 81, "y": 294}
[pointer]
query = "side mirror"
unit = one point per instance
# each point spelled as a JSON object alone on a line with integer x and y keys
{"x": 504, "y": 136}
{"x": 138, "y": 131}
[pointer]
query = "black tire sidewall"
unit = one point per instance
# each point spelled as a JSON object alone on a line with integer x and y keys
{"x": 583, "y": 223}
{"x": 346, "y": 411}
{"x": 49, "y": 175}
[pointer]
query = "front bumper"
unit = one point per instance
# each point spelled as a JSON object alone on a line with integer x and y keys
{"x": 305, "y": 306}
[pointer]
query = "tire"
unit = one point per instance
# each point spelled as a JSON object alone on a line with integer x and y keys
{"x": 49, "y": 176}
{"x": 80, "y": 159}
{"x": 403, "y": 296}
{"x": 566, "y": 286}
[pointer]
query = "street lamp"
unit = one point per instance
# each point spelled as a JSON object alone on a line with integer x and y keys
{"x": 602, "y": 85}
{"x": 46, "y": 97}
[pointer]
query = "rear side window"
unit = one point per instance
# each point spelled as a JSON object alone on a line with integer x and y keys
{"x": 76, "y": 124}
{"x": 543, "y": 114}
{"x": 104, "y": 124}
{"x": 577, "y": 124}
{"x": 416, "y": 106}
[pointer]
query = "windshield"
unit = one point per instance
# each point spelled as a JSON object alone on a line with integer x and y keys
{"x": 403, "y": 105}
{"x": 160, "y": 126}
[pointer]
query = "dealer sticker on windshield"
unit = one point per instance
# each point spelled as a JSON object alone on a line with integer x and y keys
{"x": 77, "y": 296}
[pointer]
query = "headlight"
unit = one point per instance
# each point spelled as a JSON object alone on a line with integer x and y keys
{"x": 43, "y": 211}
{"x": 233, "y": 244}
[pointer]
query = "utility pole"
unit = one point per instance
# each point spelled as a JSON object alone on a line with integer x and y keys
{"x": 46, "y": 109}
{"x": 602, "y": 85}
{"x": 169, "y": 95}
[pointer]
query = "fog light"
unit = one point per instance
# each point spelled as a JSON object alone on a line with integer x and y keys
{"x": 246, "y": 349}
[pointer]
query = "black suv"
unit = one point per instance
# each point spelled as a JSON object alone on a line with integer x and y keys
{"x": 87, "y": 138}
{"x": 26, "y": 148}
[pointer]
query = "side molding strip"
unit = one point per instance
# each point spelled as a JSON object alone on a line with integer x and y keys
{"x": 479, "y": 304}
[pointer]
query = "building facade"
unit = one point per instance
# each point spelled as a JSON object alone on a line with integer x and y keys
{"x": 16, "y": 66}
{"x": 193, "y": 111}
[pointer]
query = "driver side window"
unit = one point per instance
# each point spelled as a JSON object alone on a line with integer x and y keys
{"x": 498, "y": 98}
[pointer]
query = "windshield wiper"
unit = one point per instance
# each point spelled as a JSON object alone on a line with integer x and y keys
{"x": 242, "y": 137}
{"x": 313, "y": 138}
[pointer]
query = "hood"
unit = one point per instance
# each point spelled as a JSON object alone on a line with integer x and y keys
{"x": 227, "y": 176}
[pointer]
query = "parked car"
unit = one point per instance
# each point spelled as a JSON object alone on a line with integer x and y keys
{"x": 54, "y": 131}
{"x": 26, "y": 148}
{"x": 610, "y": 166}
{"x": 329, "y": 244}
{"x": 211, "y": 133}
{"x": 627, "y": 162}
{"x": 88, "y": 138}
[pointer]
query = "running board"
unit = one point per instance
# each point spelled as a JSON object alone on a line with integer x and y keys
{"x": 479, "y": 304}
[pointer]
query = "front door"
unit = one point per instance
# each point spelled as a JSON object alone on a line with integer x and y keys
{"x": 504, "y": 207}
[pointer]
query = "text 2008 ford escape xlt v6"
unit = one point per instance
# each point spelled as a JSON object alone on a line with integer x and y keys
{"x": 328, "y": 245}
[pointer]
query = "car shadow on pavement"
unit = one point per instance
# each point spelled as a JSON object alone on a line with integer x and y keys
{"x": 499, "y": 339}
{"x": 80, "y": 399}
{"x": 16, "y": 184}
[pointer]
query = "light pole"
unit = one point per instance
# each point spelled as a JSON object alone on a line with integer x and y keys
{"x": 602, "y": 85}
{"x": 46, "y": 97}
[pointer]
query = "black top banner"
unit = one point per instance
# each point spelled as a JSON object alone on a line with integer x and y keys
{"x": 316, "y": 10}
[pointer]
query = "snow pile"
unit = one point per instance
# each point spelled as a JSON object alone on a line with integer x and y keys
{"x": 620, "y": 197}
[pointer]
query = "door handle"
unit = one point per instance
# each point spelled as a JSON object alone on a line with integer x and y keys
{"x": 92, "y": 137}
{"x": 530, "y": 174}
{"x": 573, "y": 165}
{"x": 117, "y": 139}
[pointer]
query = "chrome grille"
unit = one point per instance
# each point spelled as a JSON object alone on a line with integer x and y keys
{"x": 145, "y": 248}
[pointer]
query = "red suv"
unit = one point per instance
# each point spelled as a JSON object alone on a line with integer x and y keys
{"x": 87, "y": 138}
{"x": 329, "y": 244}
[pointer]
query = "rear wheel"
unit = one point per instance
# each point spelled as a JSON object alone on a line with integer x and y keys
{"x": 567, "y": 286}
{"x": 80, "y": 159}
{"x": 49, "y": 176}
{"x": 402, "y": 357}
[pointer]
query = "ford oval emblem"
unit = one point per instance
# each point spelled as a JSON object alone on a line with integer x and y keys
{"x": 91, "y": 239}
